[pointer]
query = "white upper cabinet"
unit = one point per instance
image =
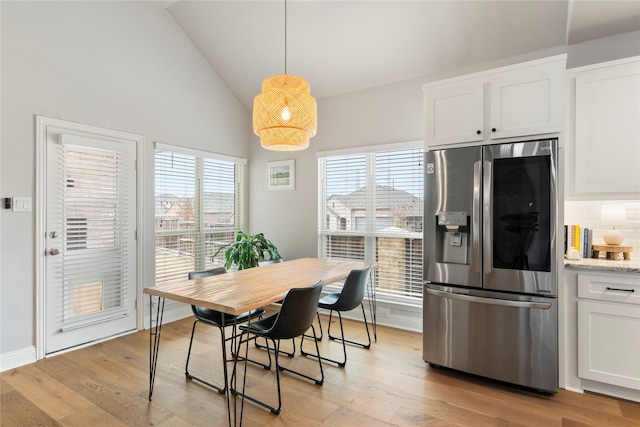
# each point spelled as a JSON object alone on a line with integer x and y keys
{"x": 603, "y": 150}
{"x": 528, "y": 104}
{"x": 518, "y": 100}
{"x": 455, "y": 113}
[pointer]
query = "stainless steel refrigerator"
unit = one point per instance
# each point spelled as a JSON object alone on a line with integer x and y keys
{"x": 489, "y": 265}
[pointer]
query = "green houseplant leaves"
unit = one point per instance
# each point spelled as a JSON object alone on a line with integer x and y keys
{"x": 248, "y": 250}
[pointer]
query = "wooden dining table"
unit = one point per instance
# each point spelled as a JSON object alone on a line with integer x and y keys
{"x": 237, "y": 292}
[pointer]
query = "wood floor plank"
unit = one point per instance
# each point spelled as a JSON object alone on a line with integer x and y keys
{"x": 5, "y": 387}
{"x": 630, "y": 410}
{"x": 345, "y": 417}
{"x": 128, "y": 407}
{"x": 17, "y": 410}
{"x": 52, "y": 397}
{"x": 388, "y": 385}
{"x": 409, "y": 417}
{"x": 91, "y": 416}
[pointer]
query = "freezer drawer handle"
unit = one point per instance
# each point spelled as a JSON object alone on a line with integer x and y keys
{"x": 508, "y": 303}
{"x": 620, "y": 289}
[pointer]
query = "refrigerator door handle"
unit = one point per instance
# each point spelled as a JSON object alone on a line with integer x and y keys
{"x": 487, "y": 214}
{"x": 502, "y": 302}
{"x": 475, "y": 215}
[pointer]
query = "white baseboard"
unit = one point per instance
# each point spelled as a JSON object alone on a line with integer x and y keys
{"x": 171, "y": 314}
{"x": 388, "y": 314}
{"x": 611, "y": 390}
{"x": 17, "y": 358}
{"x": 391, "y": 314}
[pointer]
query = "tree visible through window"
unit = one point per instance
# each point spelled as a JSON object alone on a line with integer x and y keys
{"x": 371, "y": 209}
{"x": 197, "y": 210}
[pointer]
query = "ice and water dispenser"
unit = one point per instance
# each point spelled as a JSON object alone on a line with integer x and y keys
{"x": 453, "y": 242}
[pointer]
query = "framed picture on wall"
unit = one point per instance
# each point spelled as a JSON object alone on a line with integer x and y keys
{"x": 281, "y": 175}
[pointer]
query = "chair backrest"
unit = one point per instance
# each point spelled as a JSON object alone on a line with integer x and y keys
{"x": 270, "y": 261}
{"x": 298, "y": 310}
{"x": 207, "y": 273}
{"x": 353, "y": 290}
{"x": 201, "y": 311}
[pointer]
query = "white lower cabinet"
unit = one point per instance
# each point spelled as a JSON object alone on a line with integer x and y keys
{"x": 608, "y": 331}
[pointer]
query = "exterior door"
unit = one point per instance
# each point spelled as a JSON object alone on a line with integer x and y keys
{"x": 90, "y": 248}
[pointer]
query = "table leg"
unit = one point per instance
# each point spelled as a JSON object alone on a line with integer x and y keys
{"x": 371, "y": 295}
{"x": 232, "y": 385}
{"x": 154, "y": 340}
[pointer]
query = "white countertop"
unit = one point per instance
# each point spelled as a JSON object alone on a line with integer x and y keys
{"x": 630, "y": 266}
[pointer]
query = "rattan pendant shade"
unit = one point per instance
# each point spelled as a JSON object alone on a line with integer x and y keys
{"x": 285, "y": 114}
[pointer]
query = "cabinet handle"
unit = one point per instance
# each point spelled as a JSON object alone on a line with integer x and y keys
{"x": 493, "y": 129}
{"x": 620, "y": 289}
{"x": 478, "y": 132}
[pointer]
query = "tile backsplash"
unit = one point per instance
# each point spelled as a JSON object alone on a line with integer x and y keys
{"x": 587, "y": 214}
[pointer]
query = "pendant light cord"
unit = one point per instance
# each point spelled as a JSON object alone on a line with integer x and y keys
{"x": 285, "y": 36}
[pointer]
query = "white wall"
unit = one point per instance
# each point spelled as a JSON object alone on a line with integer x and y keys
{"x": 381, "y": 115}
{"x": 587, "y": 214}
{"x": 127, "y": 66}
{"x": 119, "y": 65}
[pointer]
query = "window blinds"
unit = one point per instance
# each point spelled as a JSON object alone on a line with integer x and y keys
{"x": 371, "y": 208}
{"x": 197, "y": 211}
{"x": 94, "y": 195}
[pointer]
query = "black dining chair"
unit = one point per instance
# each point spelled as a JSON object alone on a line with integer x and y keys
{"x": 295, "y": 317}
{"x": 270, "y": 261}
{"x": 351, "y": 296}
{"x": 293, "y": 342}
{"x": 220, "y": 320}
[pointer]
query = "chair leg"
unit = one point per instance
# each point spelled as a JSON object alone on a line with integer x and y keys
{"x": 317, "y": 355}
{"x": 320, "y": 327}
{"x": 293, "y": 343}
{"x": 366, "y": 324}
{"x": 308, "y": 336}
{"x": 237, "y": 353}
{"x": 220, "y": 390}
{"x": 342, "y": 339}
{"x": 277, "y": 352}
{"x": 186, "y": 367}
{"x": 276, "y": 346}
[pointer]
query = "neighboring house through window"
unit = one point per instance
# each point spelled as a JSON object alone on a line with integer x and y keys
{"x": 371, "y": 205}
{"x": 198, "y": 209}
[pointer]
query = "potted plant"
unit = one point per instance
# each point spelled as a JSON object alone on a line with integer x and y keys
{"x": 248, "y": 250}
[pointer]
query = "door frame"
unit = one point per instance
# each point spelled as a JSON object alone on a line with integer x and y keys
{"x": 42, "y": 126}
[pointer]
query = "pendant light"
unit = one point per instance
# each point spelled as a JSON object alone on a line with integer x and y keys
{"x": 285, "y": 114}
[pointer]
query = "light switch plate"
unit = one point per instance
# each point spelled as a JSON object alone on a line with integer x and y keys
{"x": 22, "y": 204}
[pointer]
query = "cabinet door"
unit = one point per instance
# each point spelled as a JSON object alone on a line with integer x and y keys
{"x": 607, "y": 133}
{"x": 527, "y": 104}
{"x": 454, "y": 114}
{"x": 609, "y": 343}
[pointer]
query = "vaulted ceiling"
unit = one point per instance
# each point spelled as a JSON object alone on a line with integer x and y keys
{"x": 343, "y": 46}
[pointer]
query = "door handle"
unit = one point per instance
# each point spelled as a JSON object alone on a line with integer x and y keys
{"x": 492, "y": 301}
{"x": 54, "y": 251}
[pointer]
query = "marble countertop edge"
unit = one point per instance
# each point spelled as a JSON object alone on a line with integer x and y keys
{"x": 625, "y": 266}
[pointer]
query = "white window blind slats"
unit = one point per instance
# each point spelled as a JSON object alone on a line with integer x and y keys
{"x": 94, "y": 191}
{"x": 398, "y": 191}
{"x": 371, "y": 209}
{"x": 197, "y": 209}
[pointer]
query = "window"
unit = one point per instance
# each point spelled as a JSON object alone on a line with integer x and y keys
{"x": 198, "y": 209}
{"x": 371, "y": 209}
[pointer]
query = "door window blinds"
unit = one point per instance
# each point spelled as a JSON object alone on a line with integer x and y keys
{"x": 371, "y": 207}
{"x": 95, "y": 219}
{"x": 197, "y": 210}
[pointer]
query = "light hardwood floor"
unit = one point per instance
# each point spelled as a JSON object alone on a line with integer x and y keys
{"x": 106, "y": 385}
